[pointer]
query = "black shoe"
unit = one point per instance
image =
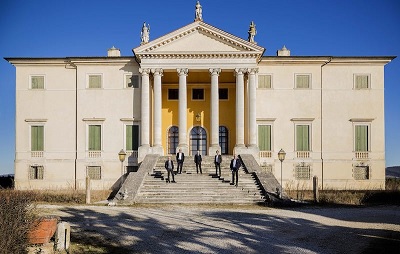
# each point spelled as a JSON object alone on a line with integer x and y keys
{"x": 231, "y": 183}
{"x": 173, "y": 182}
{"x": 236, "y": 185}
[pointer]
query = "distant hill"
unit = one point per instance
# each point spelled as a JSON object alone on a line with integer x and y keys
{"x": 393, "y": 172}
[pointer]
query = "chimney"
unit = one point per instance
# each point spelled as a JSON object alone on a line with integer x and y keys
{"x": 283, "y": 52}
{"x": 114, "y": 52}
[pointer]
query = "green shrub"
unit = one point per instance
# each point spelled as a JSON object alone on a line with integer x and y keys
{"x": 17, "y": 214}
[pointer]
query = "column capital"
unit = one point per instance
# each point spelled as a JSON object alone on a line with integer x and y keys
{"x": 252, "y": 71}
{"x": 240, "y": 71}
{"x": 215, "y": 71}
{"x": 157, "y": 71}
{"x": 182, "y": 71}
{"x": 144, "y": 71}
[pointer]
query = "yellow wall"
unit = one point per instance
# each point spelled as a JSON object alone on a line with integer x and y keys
{"x": 170, "y": 115}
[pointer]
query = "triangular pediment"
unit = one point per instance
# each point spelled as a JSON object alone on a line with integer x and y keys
{"x": 198, "y": 38}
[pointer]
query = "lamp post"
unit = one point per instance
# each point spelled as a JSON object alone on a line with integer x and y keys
{"x": 281, "y": 157}
{"x": 121, "y": 156}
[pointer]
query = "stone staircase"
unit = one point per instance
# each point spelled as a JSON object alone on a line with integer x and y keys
{"x": 193, "y": 188}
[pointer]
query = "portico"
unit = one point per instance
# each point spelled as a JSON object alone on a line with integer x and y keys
{"x": 195, "y": 57}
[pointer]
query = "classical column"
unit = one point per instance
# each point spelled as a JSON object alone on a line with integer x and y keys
{"x": 240, "y": 107}
{"x": 157, "y": 119}
{"x": 252, "y": 107}
{"x": 145, "y": 108}
{"x": 182, "y": 73}
{"x": 214, "y": 111}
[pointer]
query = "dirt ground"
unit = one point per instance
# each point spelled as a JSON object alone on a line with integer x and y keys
{"x": 228, "y": 229}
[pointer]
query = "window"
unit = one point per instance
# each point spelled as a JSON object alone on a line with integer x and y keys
{"x": 37, "y": 82}
{"x": 223, "y": 139}
{"x": 94, "y": 81}
{"x": 264, "y": 81}
{"x": 361, "y": 172}
{"x": 173, "y": 94}
{"x": 302, "y": 138}
{"x": 173, "y": 139}
{"x": 223, "y": 93}
{"x": 361, "y": 81}
{"x": 132, "y": 81}
{"x": 94, "y": 172}
{"x": 264, "y": 137}
{"x": 197, "y": 94}
{"x": 37, "y": 138}
{"x": 303, "y": 172}
{"x": 94, "y": 137}
{"x": 36, "y": 172}
{"x": 132, "y": 137}
{"x": 303, "y": 81}
{"x": 131, "y": 169}
{"x": 361, "y": 138}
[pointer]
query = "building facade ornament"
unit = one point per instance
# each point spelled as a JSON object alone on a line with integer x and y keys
{"x": 252, "y": 32}
{"x": 182, "y": 71}
{"x": 199, "y": 12}
{"x": 145, "y": 33}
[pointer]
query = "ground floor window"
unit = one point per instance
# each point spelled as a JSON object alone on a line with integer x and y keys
{"x": 94, "y": 172}
{"x": 36, "y": 172}
{"x": 223, "y": 139}
{"x": 198, "y": 140}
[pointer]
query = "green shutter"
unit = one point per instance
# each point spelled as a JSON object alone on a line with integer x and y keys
{"x": 132, "y": 137}
{"x": 95, "y": 138}
{"x": 37, "y": 138}
{"x": 264, "y": 137}
{"x": 302, "y": 138}
{"x": 361, "y": 138}
{"x": 94, "y": 81}
{"x": 37, "y": 82}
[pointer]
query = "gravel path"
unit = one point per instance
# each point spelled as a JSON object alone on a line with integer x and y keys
{"x": 191, "y": 229}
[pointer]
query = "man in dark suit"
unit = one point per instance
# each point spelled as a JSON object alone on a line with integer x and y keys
{"x": 235, "y": 165}
{"x": 169, "y": 166}
{"x": 217, "y": 162}
{"x": 180, "y": 158}
{"x": 197, "y": 160}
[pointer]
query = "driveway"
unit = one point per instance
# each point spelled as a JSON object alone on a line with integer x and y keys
{"x": 206, "y": 229}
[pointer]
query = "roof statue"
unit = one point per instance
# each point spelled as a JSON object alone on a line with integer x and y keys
{"x": 145, "y": 34}
{"x": 252, "y": 31}
{"x": 198, "y": 14}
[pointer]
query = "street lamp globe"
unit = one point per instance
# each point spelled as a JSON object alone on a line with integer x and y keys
{"x": 281, "y": 155}
{"x": 121, "y": 155}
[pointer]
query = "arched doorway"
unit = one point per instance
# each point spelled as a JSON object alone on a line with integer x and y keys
{"x": 173, "y": 139}
{"x": 198, "y": 140}
{"x": 223, "y": 139}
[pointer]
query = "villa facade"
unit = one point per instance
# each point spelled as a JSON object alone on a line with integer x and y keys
{"x": 200, "y": 88}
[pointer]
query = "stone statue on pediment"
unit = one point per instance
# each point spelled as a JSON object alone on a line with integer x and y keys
{"x": 145, "y": 34}
{"x": 199, "y": 12}
{"x": 252, "y": 32}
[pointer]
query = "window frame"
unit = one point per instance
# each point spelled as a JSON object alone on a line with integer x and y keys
{"x": 131, "y": 75}
{"x": 199, "y": 89}
{"x": 88, "y": 136}
{"x": 227, "y": 94}
{"x": 168, "y": 94}
{"x": 258, "y": 80}
{"x": 30, "y": 135}
{"x": 37, "y": 75}
{"x": 309, "y": 136}
{"x": 88, "y": 173}
{"x": 368, "y": 125}
{"x": 176, "y": 138}
{"x": 309, "y": 81}
{"x": 94, "y": 74}
{"x": 270, "y": 138}
{"x": 37, "y": 171}
{"x": 356, "y": 75}
{"x": 125, "y": 135}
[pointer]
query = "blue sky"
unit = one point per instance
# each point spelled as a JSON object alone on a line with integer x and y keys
{"x": 52, "y": 28}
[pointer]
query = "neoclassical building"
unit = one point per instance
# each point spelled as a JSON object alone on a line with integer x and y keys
{"x": 200, "y": 88}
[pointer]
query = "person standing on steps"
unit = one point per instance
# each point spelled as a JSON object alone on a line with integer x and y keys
{"x": 169, "y": 166}
{"x": 217, "y": 162}
{"x": 197, "y": 160}
{"x": 180, "y": 158}
{"x": 235, "y": 165}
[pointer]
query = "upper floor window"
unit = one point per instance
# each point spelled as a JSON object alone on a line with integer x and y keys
{"x": 94, "y": 81}
{"x": 264, "y": 81}
{"x": 173, "y": 94}
{"x": 264, "y": 137}
{"x": 223, "y": 93}
{"x": 37, "y": 138}
{"x": 132, "y": 137}
{"x": 131, "y": 81}
{"x": 303, "y": 81}
{"x": 37, "y": 82}
{"x": 361, "y": 81}
{"x": 197, "y": 94}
